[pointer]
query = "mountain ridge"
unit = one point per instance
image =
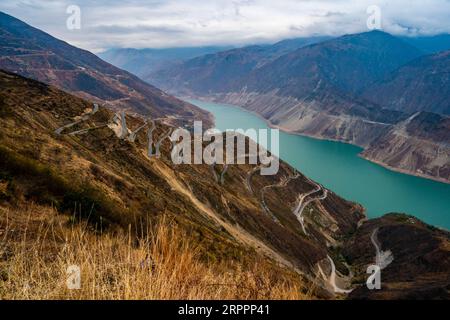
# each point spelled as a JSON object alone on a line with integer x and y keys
{"x": 316, "y": 91}
{"x": 36, "y": 54}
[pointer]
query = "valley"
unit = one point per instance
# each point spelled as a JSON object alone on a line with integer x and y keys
{"x": 340, "y": 168}
{"x": 104, "y": 172}
{"x": 358, "y": 89}
{"x": 88, "y": 176}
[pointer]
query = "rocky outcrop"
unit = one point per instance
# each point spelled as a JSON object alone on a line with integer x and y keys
{"x": 419, "y": 145}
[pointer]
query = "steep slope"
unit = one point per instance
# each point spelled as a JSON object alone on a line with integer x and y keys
{"x": 418, "y": 270}
{"x": 220, "y": 71}
{"x": 421, "y": 85}
{"x": 90, "y": 167}
{"x": 114, "y": 180}
{"x": 311, "y": 90}
{"x": 348, "y": 63}
{"x": 143, "y": 62}
{"x": 32, "y": 53}
{"x": 430, "y": 44}
{"x": 419, "y": 145}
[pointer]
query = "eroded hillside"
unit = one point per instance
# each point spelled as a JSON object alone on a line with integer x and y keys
{"x": 90, "y": 168}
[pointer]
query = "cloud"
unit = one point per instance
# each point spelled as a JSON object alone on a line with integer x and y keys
{"x": 168, "y": 23}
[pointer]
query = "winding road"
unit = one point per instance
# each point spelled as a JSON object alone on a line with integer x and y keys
{"x": 159, "y": 142}
{"x": 283, "y": 183}
{"x": 222, "y": 174}
{"x": 382, "y": 258}
{"x": 84, "y": 117}
{"x": 150, "y": 138}
{"x": 302, "y": 204}
{"x": 332, "y": 279}
{"x": 132, "y": 136}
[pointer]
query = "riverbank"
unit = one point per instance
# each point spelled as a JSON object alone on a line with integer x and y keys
{"x": 285, "y": 130}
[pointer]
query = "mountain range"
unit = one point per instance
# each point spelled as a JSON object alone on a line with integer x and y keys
{"x": 142, "y": 62}
{"x": 68, "y": 145}
{"x": 355, "y": 88}
{"x": 288, "y": 219}
{"x": 35, "y": 54}
{"x": 145, "y": 62}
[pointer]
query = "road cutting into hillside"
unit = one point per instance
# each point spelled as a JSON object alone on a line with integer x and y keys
{"x": 235, "y": 231}
{"x": 83, "y": 117}
{"x": 283, "y": 183}
{"x": 298, "y": 210}
{"x": 382, "y": 258}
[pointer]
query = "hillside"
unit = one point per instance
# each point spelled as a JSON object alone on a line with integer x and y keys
{"x": 219, "y": 72}
{"x": 418, "y": 145}
{"x": 430, "y": 44}
{"x": 287, "y": 220}
{"x": 421, "y": 85}
{"x": 32, "y": 53}
{"x": 347, "y": 63}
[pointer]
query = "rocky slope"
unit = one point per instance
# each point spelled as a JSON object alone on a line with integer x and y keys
{"x": 94, "y": 166}
{"x": 35, "y": 54}
{"x": 421, "y": 85}
{"x": 413, "y": 256}
{"x": 418, "y": 145}
{"x": 221, "y": 71}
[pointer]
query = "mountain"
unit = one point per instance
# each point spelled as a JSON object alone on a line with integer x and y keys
{"x": 59, "y": 150}
{"x": 430, "y": 44}
{"x": 403, "y": 274}
{"x": 421, "y": 85}
{"x": 35, "y": 54}
{"x": 347, "y": 63}
{"x": 218, "y": 72}
{"x": 355, "y": 89}
{"x": 142, "y": 62}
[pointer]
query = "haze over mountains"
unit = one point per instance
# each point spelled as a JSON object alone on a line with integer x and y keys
{"x": 143, "y": 62}
{"x": 355, "y": 88}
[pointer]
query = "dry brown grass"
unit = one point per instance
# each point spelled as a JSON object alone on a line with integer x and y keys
{"x": 37, "y": 245}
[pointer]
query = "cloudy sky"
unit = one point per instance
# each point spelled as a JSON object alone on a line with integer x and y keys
{"x": 174, "y": 23}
